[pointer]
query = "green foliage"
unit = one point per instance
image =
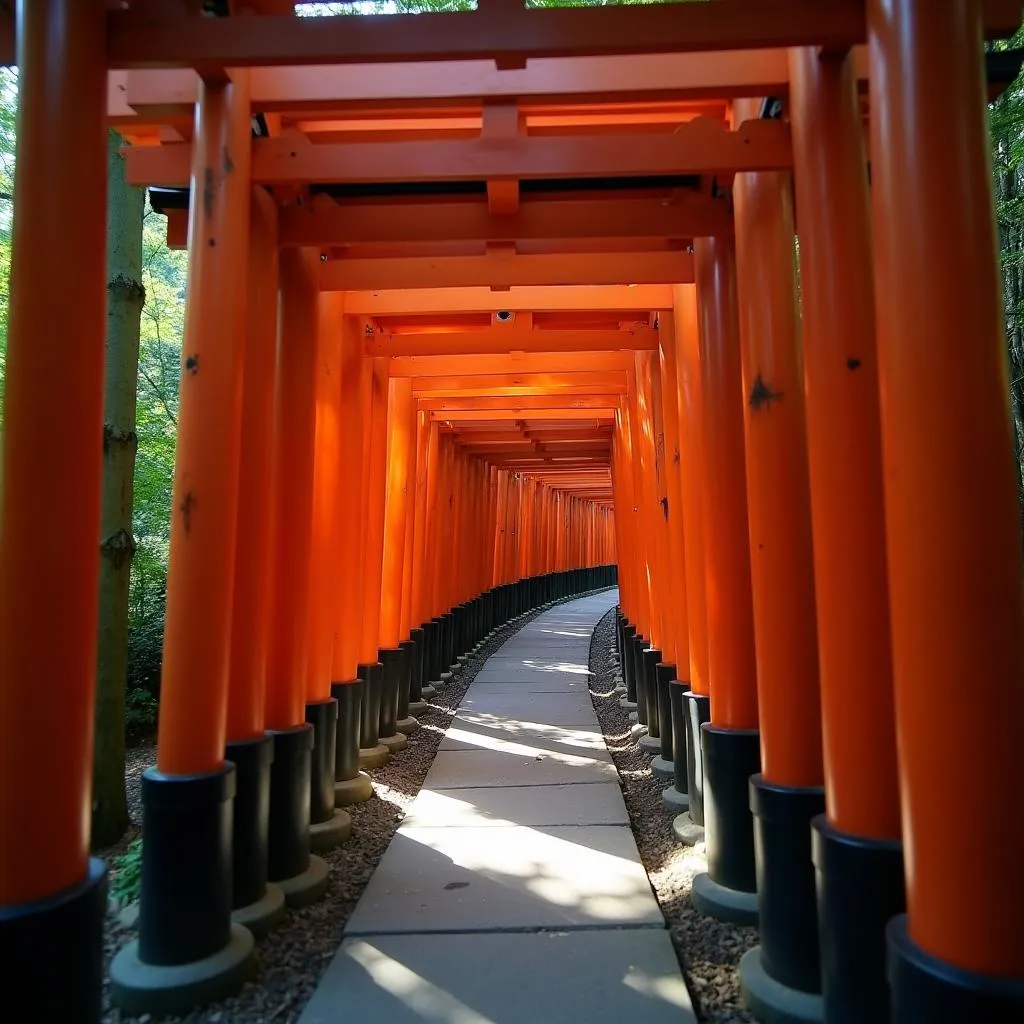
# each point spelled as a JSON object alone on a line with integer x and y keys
{"x": 140, "y": 709}
{"x": 126, "y": 874}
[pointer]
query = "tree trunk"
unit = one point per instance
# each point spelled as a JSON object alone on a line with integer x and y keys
{"x": 125, "y": 298}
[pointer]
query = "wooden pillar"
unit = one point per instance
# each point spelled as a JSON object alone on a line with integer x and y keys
{"x": 50, "y": 487}
{"x": 789, "y": 793}
{"x": 185, "y": 911}
{"x": 857, "y": 846}
{"x": 952, "y": 525}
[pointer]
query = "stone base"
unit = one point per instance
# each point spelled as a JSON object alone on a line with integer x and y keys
{"x": 650, "y": 744}
{"x": 418, "y": 707}
{"x": 302, "y": 890}
{"x": 675, "y": 801}
{"x": 446, "y": 678}
{"x": 619, "y": 690}
{"x": 326, "y": 835}
{"x": 634, "y": 717}
{"x": 263, "y": 915}
{"x": 627, "y": 704}
{"x": 407, "y": 726}
{"x": 138, "y": 987}
{"x": 637, "y": 732}
{"x": 687, "y": 831}
{"x": 663, "y": 769}
{"x": 723, "y": 904}
{"x": 395, "y": 743}
{"x": 770, "y": 1001}
{"x": 426, "y": 692}
{"x": 353, "y": 791}
{"x": 373, "y": 757}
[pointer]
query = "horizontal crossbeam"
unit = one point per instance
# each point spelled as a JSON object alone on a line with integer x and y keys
{"x": 510, "y": 339}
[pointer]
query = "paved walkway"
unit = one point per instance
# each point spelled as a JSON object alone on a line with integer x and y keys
{"x": 513, "y": 891}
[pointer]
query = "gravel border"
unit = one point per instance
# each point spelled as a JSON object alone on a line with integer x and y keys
{"x": 291, "y": 959}
{"x": 709, "y": 951}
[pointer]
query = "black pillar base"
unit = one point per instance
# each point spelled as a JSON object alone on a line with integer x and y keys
{"x": 639, "y": 646}
{"x": 252, "y": 760}
{"x": 391, "y": 660}
{"x": 627, "y": 661}
{"x": 288, "y": 833}
{"x": 369, "y": 711}
{"x": 677, "y": 716}
{"x": 322, "y": 716}
{"x": 731, "y": 756}
{"x": 417, "y": 638}
{"x": 787, "y": 908}
{"x": 696, "y": 711}
{"x": 664, "y": 677}
{"x": 53, "y": 949}
{"x": 188, "y": 951}
{"x": 349, "y": 697}
{"x": 652, "y": 658}
{"x": 927, "y": 990}
{"x": 860, "y": 887}
{"x": 407, "y": 648}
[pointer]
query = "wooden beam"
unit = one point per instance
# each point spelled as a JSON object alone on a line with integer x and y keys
{"x": 543, "y": 299}
{"x": 609, "y": 382}
{"x": 527, "y": 402}
{"x": 455, "y": 415}
{"x": 384, "y": 87}
{"x": 515, "y": 362}
{"x": 503, "y": 339}
{"x": 501, "y": 270}
{"x": 500, "y": 30}
{"x": 324, "y": 223}
{"x": 702, "y": 146}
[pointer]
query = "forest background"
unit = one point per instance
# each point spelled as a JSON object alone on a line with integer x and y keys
{"x": 163, "y": 279}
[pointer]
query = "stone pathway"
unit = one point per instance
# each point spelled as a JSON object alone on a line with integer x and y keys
{"x": 513, "y": 890}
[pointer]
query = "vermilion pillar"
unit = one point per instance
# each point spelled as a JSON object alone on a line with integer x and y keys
{"x": 185, "y": 910}
{"x": 374, "y": 753}
{"x": 351, "y": 785}
{"x": 256, "y": 904}
{"x": 692, "y": 472}
{"x": 328, "y": 827}
{"x": 419, "y": 615}
{"x": 49, "y": 513}
{"x": 856, "y": 846}
{"x": 302, "y": 877}
{"x": 674, "y": 680}
{"x": 789, "y": 793}
{"x": 952, "y": 524}
{"x": 396, "y": 512}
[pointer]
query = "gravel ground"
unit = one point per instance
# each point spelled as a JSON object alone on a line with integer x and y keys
{"x": 709, "y": 951}
{"x": 291, "y": 959}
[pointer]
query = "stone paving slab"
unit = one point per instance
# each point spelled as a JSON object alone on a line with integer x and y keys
{"x": 479, "y": 732}
{"x": 474, "y": 769}
{"x": 532, "y": 806}
{"x": 549, "y": 708}
{"x": 624, "y": 975}
{"x": 479, "y": 879}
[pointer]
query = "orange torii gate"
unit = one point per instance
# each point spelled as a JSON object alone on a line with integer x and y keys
{"x": 534, "y": 280}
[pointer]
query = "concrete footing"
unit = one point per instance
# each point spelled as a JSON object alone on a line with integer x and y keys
{"x": 637, "y": 732}
{"x": 407, "y": 726}
{"x": 138, "y": 987}
{"x": 326, "y": 835}
{"x": 628, "y": 705}
{"x": 426, "y": 692}
{"x": 302, "y": 890}
{"x": 372, "y": 757}
{"x": 353, "y": 791}
{"x": 770, "y": 1001}
{"x": 650, "y": 744}
{"x": 263, "y": 915}
{"x": 394, "y": 743}
{"x": 722, "y": 903}
{"x": 687, "y": 831}
{"x": 675, "y": 801}
{"x": 663, "y": 768}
